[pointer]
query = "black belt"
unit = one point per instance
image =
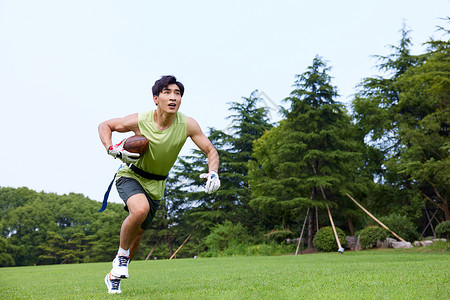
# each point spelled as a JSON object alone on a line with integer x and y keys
{"x": 136, "y": 170}
{"x": 145, "y": 174}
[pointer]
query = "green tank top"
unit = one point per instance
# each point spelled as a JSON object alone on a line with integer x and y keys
{"x": 162, "y": 154}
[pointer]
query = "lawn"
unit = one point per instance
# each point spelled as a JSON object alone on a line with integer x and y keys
{"x": 374, "y": 274}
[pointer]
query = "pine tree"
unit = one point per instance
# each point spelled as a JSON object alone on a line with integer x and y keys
{"x": 314, "y": 146}
{"x": 396, "y": 113}
{"x": 424, "y": 110}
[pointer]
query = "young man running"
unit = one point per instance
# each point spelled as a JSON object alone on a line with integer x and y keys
{"x": 141, "y": 181}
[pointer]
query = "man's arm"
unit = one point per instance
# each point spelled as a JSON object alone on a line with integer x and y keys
{"x": 203, "y": 143}
{"x": 125, "y": 124}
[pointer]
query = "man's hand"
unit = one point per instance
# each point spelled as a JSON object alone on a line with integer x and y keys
{"x": 213, "y": 181}
{"x": 117, "y": 151}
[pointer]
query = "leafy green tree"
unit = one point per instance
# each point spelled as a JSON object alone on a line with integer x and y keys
{"x": 424, "y": 109}
{"x": 249, "y": 122}
{"x": 57, "y": 250}
{"x": 405, "y": 117}
{"x": 26, "y": 227}
{"x": 377, "y": 114}
{"x": 6, "y": 259}
{"x": 314, "y": 147}
{"x": 45, "y": 228}
{"x": 106, "y": 228}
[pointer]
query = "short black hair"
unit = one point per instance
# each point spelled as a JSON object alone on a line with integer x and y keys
{"x": 164, "y": 82}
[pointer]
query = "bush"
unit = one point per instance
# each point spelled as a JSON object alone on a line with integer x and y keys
{"x": 224, "y": 235}
{"x": 270, "y": 249}
{"x": 443, "y": 229}
{"x": 324, "y": 239}
{"x": 369, "y": 236}
{"x": 401, "y": 226}
{"x": 279, "y": 236}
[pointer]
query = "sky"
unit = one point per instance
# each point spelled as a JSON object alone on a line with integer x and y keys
{"x": 66, "y": 66}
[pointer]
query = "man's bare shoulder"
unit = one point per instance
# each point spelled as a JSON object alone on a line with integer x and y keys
{"x": 192, "y": 126}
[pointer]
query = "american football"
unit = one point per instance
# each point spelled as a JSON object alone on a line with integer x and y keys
{"x": 136, "y": 144}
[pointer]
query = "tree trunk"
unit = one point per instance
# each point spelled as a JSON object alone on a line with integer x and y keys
{"x": 169, "y": 241}
{"x": 446, "y": 212}
{"x": 311, "y": 222}
{"x": 310, "y": 230}
{"x": 444, "y": 206}
{"x": 351, "y": 228}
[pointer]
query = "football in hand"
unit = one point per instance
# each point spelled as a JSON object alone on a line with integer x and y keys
{"x": 136, "y": 144}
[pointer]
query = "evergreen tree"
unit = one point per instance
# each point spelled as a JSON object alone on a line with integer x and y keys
{"x": 377, "y": 114}
{"x": 424, "y": 126}
{"x": 314, "y": 147}
{"x": 250, "y": 122}
{"x": 404, "y": 116}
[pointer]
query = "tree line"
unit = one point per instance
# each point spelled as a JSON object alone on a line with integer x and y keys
{"x": 390, "y": 151}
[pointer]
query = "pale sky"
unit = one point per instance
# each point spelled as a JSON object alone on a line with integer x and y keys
{"x": 66, "y": 66}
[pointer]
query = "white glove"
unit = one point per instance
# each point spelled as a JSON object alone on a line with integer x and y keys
{"x": 212, "y": 183}
{"x": 117, "y": 151}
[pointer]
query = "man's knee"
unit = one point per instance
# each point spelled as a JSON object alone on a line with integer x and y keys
{"x": 138, "y": 206}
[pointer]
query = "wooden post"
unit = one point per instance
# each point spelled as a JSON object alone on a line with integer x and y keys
{"x": 429, "y": 222}
{"x": 301, "y": 234}
{"x": 180, "y": 247}
{"x": 334, "y": 230}
{"x": 153, "y": 249}
{"x": 376, "y": 220}
{"x": 340, "y": 249}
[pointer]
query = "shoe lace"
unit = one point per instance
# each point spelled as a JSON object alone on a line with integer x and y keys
{"x": 115, "y": 284}
{"x": 123, "y": 261}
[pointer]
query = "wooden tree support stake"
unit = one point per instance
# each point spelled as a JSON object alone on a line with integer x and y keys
{"x": 180, "y": 247}
{"x": 153, "y": 249}
{"x": 301, "y": 234}
{"x": 340, "y": 249}
{"x": 376, "y": 220}
{"x": 429, "y": 223}
{"x": 334, "y": 230}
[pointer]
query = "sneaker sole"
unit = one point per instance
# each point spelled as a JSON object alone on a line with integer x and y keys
{"x": 119, "y": 275}
{"x": 110, "y": 291}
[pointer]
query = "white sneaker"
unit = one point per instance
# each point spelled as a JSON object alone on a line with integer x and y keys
{"x": 120, "y": 266}
{"x": 113, "y": 285}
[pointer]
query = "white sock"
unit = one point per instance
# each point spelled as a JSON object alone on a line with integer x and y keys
{"x": 123, "y": 252}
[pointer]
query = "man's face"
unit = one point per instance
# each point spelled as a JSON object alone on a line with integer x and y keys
{"x": 169, "y": 99}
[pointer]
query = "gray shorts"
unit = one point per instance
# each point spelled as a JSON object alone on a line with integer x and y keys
{"x": 128, "y": 187}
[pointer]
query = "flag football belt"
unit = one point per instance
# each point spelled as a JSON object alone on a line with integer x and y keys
{"x": 136, "y": 170}
{"x": 145, "y": 174}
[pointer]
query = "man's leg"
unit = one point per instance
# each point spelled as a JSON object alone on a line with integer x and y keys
{"x": 138, "y": 210}
{"x": 130, "y": 234}
{"x": 135, "y": 244}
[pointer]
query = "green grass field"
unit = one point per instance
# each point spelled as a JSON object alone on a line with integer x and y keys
{"x": 387, "y": 274}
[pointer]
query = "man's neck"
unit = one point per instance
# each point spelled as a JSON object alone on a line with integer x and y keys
{"x": 163, "y": 120}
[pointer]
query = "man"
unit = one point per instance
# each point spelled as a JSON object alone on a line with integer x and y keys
{"x": 141, "y": 181}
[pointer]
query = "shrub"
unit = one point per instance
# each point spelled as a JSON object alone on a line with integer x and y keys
{"x": 224, "y": 235}
{"x": 269, "y": 249}
{"x": 401, "y": 226}
{"x": 443, "y": 229}
{"x": 369, "y": 236}
{"x": 279, "y": 236}
{"x": 324, "y": 239}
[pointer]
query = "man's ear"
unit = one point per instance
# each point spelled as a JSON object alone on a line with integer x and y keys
{"x": 155, "y": 99}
